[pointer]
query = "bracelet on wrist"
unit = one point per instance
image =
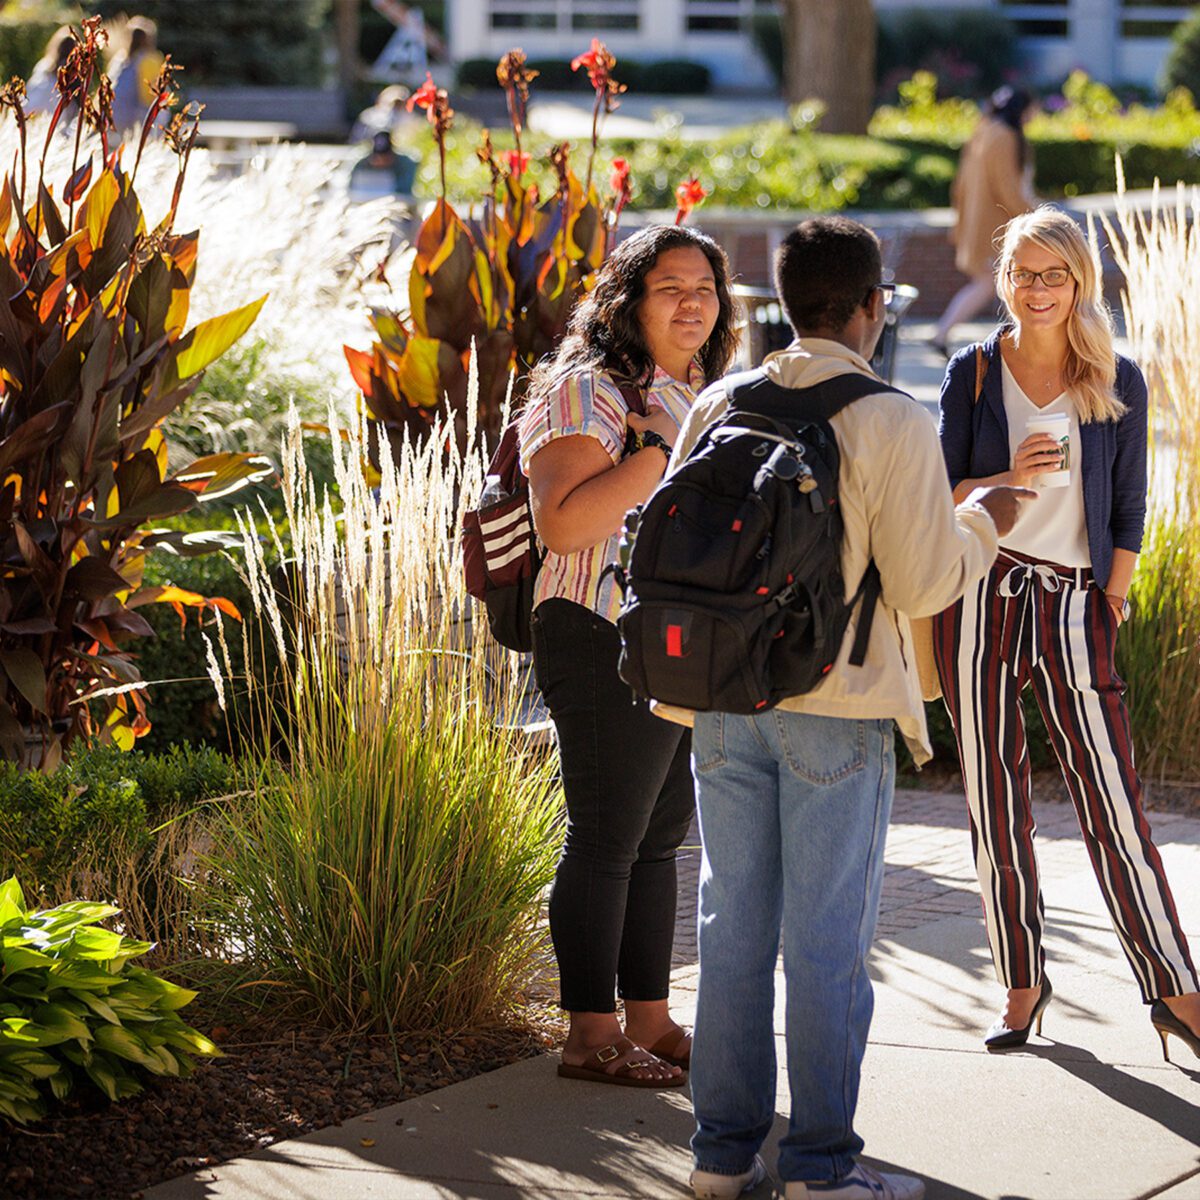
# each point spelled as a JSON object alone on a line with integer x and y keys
{"x": 647, "y": 439}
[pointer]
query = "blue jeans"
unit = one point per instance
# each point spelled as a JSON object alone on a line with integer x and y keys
{"x": 793, "y": 816}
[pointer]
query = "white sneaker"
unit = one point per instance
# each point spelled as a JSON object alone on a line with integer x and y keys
{"x": 710, "y": 1185}
{"x": 861, "y": 1184}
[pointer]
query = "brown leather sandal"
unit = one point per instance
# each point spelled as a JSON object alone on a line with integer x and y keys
{"x": 628, "y": 1057}
{"x": 667, "y": 1047}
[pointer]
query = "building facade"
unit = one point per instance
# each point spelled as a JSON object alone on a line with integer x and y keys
{"x": 1118, "y": 41}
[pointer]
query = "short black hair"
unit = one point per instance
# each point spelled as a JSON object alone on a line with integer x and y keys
{"x": 824, "y": 269}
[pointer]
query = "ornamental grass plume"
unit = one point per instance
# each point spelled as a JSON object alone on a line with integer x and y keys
{"x": 1157, "y": 247}
{"x": 387, "y": 870}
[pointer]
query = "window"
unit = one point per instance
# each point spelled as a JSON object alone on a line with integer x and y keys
{"x": 722, "y": 16}
{"x": 1153, "y": 18}
{"x": 1039, "y": 18}
{"x": 564, "y": 15}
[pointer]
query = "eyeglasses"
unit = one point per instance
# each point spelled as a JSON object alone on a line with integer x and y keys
{"x": 1055, "y": 277}
{"x": 888, "y": 290}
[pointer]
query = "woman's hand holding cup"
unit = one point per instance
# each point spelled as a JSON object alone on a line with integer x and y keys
{"x": 1036, "y": 455}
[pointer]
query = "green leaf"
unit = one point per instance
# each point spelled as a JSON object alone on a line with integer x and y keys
{"x": 12, "y": 900}
{"x": 96, "y": 1004}
{"x": 19, "y": 1031}
{"x": 101, "y": 1073}
{"x": 23, "y": 958}
{"x": 62, "y": 1024}
{"x": 120, "y": 1041}
{"x": 210, "y": 339}
{"x": 31, "y": 1061}
{"x": 28, "y": 676}
{"x": 96, "y": 944}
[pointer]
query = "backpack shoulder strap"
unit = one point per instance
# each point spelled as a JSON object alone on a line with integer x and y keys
{"x": 752, "y": 391}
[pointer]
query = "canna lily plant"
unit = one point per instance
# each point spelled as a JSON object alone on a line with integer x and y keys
{"x": 506, "y": 283}
{"x": 94, "y": 355}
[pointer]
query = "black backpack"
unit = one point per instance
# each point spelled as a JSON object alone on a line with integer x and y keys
{"x": 732, "y": 570}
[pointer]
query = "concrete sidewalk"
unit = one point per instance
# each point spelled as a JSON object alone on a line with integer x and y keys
{"x": 1088, "y": 1112}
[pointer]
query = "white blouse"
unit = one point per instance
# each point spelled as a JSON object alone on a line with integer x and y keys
{"x": 1053, "y": 527}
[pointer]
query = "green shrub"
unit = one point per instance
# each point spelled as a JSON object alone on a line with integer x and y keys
{"x": 476, "y": 73}
{"x": 99, "y": 812}
{"x": 1182, "y": 68}
{"x": 971, "y": 50}
{"x": 674, "y": 76}
{"x": 75, "y": 1013}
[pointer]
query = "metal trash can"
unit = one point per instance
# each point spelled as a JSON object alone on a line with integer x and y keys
{"x": 767, "y": 329}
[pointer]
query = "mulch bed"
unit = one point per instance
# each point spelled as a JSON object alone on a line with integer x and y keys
{"x": 280, "y": 1085}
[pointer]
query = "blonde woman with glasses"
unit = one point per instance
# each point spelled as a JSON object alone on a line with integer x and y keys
{"x": 1047, "y": 403}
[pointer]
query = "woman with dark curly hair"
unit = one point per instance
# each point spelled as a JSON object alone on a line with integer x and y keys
{"x": 656, "y": 328}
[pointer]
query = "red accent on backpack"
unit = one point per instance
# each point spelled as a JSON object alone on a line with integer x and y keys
{"x": 675, "y": 641}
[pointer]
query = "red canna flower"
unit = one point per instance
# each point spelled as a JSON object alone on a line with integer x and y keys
{"x": 425, "y": 96}
{"x": 688, "y": 195}
{"x": 618, "y": 181}
{"x": 593, "y": 59}
{"x": 436, "y": 103}
{"x": 599, "y": 61}
{"x": 517, "y": 161}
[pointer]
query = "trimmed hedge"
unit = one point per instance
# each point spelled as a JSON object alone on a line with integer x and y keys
{"x": 98, "y": 809}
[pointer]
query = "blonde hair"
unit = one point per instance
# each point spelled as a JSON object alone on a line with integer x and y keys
{"x": 1090, "y": 371}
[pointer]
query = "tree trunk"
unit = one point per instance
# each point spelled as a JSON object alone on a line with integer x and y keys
{"x": 829, "y": 55}
{"x": 346, "y": 23}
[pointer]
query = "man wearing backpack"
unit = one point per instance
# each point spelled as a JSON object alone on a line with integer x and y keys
{"x": 794, "y": 799}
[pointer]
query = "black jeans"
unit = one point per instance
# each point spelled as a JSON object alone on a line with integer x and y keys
{"x": 630, "y": 798}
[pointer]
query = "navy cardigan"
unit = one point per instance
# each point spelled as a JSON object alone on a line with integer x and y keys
{"x": 1112, "y": 453}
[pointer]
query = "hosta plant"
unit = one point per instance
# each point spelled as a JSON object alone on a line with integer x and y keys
{"x": 507, "y": 282}
{"x": 94, "y": 355}
{"x": 75, "y": 1013}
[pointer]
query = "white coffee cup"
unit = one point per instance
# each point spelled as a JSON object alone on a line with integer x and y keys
{"x": 1058, "y": 426}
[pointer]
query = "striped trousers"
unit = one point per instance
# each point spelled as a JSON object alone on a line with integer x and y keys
{"x": 1037, "y": 623}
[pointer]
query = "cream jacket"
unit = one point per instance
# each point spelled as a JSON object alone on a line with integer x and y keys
{"x": 897, "y": 509}
{"x": 990, "y": 188}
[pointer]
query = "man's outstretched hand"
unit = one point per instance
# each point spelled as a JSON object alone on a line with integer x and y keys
{"x": 1003, "y": 504}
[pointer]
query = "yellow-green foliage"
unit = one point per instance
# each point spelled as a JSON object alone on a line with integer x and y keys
{"x": 75, "y": 1012}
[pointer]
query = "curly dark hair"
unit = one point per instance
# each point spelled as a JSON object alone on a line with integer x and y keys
{"x": 605, "y": 334}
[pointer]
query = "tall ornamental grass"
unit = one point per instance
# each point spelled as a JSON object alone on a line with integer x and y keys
{"x": 388, "y": 866}
{"x": 1158, "y": 250}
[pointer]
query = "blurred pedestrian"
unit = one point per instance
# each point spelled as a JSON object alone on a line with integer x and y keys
{"x": 41, "y": 94}
{"x": 389, "y": 114}
{"x": 134, "y": 74}
{"x": 994, "y": 184}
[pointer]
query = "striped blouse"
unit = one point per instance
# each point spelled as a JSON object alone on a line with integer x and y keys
{"x": 591, "y": 404}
